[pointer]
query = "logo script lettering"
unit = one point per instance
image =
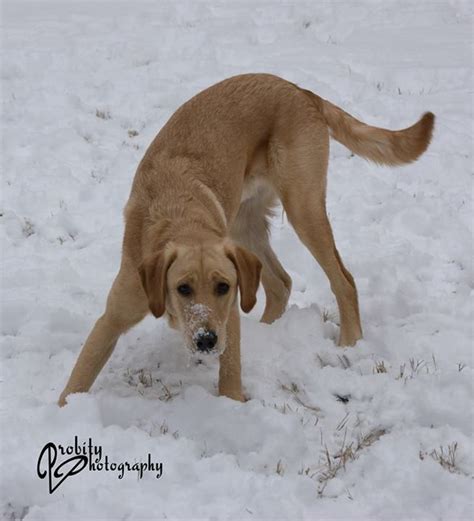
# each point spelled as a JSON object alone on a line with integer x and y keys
{"x": 60, "y": 472}
{"x": 53, "y": 465}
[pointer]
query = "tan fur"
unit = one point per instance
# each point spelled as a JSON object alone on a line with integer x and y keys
{"x": 385, "y": 147}
{"x": 199, "y": 207}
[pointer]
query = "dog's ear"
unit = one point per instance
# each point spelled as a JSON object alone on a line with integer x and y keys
{"x": 248, "y": 275}
{"x": 153, "y": 271}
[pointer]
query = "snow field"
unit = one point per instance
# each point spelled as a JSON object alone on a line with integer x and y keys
{"x": 379, "y": 431}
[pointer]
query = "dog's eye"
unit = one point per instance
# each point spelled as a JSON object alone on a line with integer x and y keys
{"x": 222, "y": 288}
{"x": 185, "y": 290}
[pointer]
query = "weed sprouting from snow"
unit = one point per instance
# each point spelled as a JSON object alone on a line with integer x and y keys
{"x": 328, "y": 316}
{"x": 334, "y": 463}
{"x": 416, "y": 366}
{"x": 145, "y": 378}
{"x": 164, "y": 428}
{"x": 168, "y": 395}
{"x": 461, "y": 366}
{"x": 128, "y": 376}
{"x": 102, "y": 114}
{"x": 294, "y": 388}
{"x": 401, "y": 373}
{"x": 295, "y": 391}
{"x": 370, "y": 438}
{"x": 345, "y": 362}
{"x": 283, "y": 408}
{"x": 306, "y": 472}
{"x": 445, "y": 456}
{"x": 380, "y": 367}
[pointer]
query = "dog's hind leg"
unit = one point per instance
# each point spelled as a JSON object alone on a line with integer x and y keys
{"x": 126, "y": 306}
{"x": 251, "y": 230}
{"x": 276, "y": 283}
{"x": 302, "y": 186}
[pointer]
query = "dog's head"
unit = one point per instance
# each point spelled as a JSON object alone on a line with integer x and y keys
{"x": 197, "y": 285}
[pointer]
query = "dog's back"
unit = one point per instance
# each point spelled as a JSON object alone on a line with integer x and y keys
{"x": 235, "y": 117}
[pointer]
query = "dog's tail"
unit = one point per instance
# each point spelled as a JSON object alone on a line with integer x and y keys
{"x": 386, "y": 147}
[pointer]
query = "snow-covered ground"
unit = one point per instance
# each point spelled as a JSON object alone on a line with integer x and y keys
{"x": 379, "y": 431}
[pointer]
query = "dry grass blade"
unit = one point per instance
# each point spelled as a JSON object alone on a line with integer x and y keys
{"x": 168, "y": 395}
{"x": 380, "y": 367}
{"x": 345, "y": 454}
{"x": 345, "y": 362}
{"x": 294, "y": 390}
{"x": 416, "y": 366}
{"x": 280, "y": 470}
{"x": 343, "y": 422}
{"x": 370, "y": 438}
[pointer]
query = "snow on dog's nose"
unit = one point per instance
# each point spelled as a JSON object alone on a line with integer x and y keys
{"x": 205, "y": 340}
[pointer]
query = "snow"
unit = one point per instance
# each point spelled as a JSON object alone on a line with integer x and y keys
{"x": 327, "y": 433}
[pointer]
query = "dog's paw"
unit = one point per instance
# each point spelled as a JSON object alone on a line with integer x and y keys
{"x": 238, "y": 396}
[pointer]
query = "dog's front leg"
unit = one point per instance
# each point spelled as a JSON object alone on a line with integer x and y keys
{"x": 94, "y": 355}
{"x": 126, "y": 306}
{"x": 230, "y": 383}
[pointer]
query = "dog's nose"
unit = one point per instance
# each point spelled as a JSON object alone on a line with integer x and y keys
{"x": 206, "y": 341}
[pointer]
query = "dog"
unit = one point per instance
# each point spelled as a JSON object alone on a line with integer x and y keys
{"x": 197, "y": 219}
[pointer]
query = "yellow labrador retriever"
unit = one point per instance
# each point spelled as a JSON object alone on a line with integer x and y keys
{"x": 197, "y": 229}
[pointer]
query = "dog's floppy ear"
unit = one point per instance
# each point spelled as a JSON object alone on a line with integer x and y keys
{"x": 153, "y": 271}
{"x": 248, "y": 275}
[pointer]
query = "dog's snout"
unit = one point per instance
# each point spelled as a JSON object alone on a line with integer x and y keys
{"x": 206, "y": 341}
